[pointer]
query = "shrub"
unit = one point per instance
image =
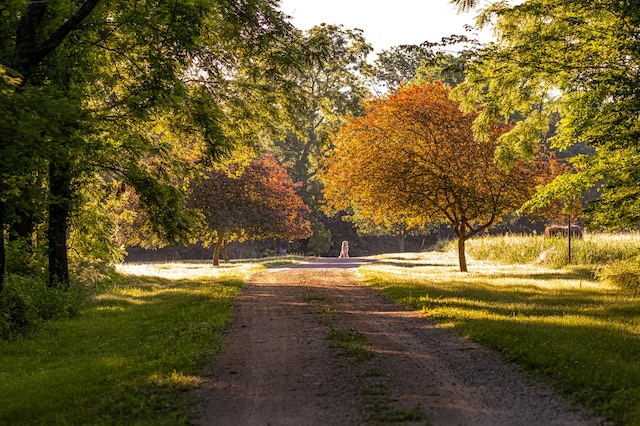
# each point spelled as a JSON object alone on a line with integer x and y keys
{"x": 26, "y": 302}
{"x": 24, "y": 258}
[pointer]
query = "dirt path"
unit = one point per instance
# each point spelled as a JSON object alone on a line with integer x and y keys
{"x": 280, "y": 368}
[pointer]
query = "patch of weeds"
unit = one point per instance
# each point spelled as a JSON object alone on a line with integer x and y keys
{"x": 321, "y": 305}
{"x": 326, "y": 310}
{"x": 377, "y": 406}
{"x": 351, "y": 344}
{"x": 312, "y": 297}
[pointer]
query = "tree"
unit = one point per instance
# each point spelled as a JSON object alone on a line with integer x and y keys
{"x": 425, "y": 63}
{"x": 577, "y": 59}
{"x": 128, "y": 94}
{"x": 444, "y": 67}
{"x": 257, "y": 202}
{"x": 328, "y": 85}
{"x": 398, "y": 65}
{"x": 413, "y": 155}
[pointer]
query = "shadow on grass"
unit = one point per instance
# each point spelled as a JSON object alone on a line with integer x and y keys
{"x": 585, "y": 339}
{"x": 573, "y": 274}
{"x": 409, "y": 264}
{"x": 129, "y": 357}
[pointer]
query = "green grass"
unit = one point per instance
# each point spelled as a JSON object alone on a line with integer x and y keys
{"x": 558, "y": 323}
{"x": 350, "y": 343}
{"x": 593, "y": 249}
{"x": 378, "y": 407}
{"x": 130, "y": 357}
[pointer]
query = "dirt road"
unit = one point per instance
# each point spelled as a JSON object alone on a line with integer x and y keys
{"x": 280, "y": 367}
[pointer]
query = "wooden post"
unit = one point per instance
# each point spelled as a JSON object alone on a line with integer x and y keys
{"x": 569, "y": 241}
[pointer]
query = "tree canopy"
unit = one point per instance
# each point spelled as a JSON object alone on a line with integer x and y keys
{"x": 578, "y": 60}
{"x": 412, "y": 159}
{"x": 255, "y": 202}
{"x": 125, "y": 91}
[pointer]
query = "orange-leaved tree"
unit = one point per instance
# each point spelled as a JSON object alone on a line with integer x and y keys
{"x": 257, "y": 202}
{"x": 413, "y": 155}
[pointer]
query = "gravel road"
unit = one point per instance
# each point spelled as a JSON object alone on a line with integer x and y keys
{"x": 280, "y": 368}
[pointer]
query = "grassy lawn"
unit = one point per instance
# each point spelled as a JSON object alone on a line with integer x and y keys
{"x": 130, "y": 357}
{"x": 562, "y": 324}
{"x": 137, "y": 349}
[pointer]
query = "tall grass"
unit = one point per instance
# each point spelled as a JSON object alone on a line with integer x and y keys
{"x": 562, "y": 324}
{"x": 593, "y": 249}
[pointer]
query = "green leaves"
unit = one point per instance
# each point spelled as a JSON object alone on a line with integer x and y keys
{"x": 141, "y": 93}
{"x": 574, "y": 58}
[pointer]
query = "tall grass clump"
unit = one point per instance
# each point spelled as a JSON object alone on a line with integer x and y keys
{"x": 512, "y": 248}
{"x": 624, "y": 274}
{"x": 592, "y": 250}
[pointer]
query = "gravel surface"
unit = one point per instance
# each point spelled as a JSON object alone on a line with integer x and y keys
{"x": 280, "y": 368}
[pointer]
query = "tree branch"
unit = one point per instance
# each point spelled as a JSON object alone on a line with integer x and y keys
{"x": 37, "y": 55}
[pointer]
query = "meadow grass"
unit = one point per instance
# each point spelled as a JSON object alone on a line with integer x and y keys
{"x": 593, "y": 249}
{"x": 561, "y": 324}
{"x": 131, "y": 356}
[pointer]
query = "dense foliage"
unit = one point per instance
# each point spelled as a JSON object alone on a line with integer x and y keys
{"x": 256, "y": 202}
{"x": 413, "y": 159}
{"x": 573, "y": 59}
{"x": 111, "y": 93}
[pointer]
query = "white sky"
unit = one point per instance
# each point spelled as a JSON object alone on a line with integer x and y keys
{"x": 385, "y": 23}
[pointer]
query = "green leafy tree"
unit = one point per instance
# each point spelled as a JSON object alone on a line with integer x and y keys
{"x": 127, "y": 95}
{"x": 444, "y": 67}
{"x": 399, "y": 65}
{"x": 328, "y": 85}
{"x": 579, "y": 60}
{"x": 425, "y": 63}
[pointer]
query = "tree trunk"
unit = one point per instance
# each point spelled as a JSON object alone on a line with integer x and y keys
{"x": 60, "y": 190}
{"x": 401, "y": 242}
{"x": 3, "y": 261}
{"x": 225, "y": 253}
{"x": 216, "y": 252}
{"x": 462, "y": 258}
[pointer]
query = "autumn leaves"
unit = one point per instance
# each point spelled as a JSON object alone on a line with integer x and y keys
{"x": 412, "y": 158}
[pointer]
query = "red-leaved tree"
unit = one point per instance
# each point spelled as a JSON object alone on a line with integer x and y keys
{"x": 257, "y": 202}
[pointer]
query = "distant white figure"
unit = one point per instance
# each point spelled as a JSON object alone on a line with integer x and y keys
{"x": 344, "y": 251}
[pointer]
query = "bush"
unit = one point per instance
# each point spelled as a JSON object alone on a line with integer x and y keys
{"x": 24, "y": 258}
{"x": 26, "y": 302}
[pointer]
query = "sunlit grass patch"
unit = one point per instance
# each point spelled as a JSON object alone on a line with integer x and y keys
{"x": 190, "y": 269}
{"x": 560, "y": 323}
{"x": 593, "y": 249}
{"x": 131, "y": 357}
